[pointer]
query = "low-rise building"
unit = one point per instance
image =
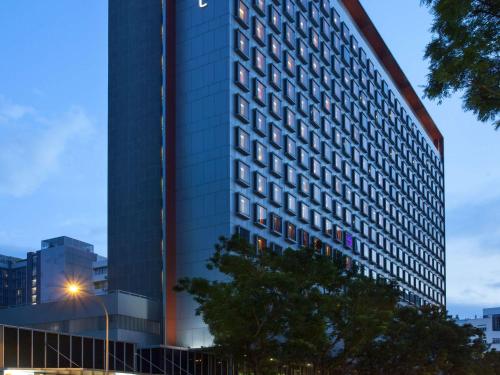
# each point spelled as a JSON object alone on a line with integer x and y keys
{"x": 489, "y": 324}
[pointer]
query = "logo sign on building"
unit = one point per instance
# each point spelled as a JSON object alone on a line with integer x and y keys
{"x": 202, "y": 3}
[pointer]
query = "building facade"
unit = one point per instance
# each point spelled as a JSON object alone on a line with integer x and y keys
{"x": 489, "y": 324}
{"x": 41, "y": 276}
{"x": 288, "y": 122}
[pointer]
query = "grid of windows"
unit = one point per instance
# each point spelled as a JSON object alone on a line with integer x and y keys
{"x": 336, "y": 157}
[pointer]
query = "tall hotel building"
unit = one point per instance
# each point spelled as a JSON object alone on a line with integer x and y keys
{"x": 286, "y": 121}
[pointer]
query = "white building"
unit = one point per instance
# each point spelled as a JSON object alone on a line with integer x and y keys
{"x": 100, "y": 275}
{"x": 489, "y": 324}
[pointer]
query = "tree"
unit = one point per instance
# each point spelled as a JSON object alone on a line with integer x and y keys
{"x": 301, "y": 308}
{"x": 244, "y": 313}
{"x": 464, "y": 54}
{"x": 425, "y": 341}
{"x": 295, "y": 308}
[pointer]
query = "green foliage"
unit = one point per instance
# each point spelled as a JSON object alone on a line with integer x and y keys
{"x": 300, "y": 308}
{"x": 464, "y": 54}
{"x": 425, "y": 341}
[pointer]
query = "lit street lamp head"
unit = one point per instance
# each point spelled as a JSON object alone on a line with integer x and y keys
{"x": 73, "y": 288}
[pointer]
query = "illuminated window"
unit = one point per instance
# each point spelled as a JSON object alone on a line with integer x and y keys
{"x": 275, "y": 77}
{"x": 259, "y": 92}
{"x": 260, "y": 215}
{"x": 260, "y": 153}
{"x": 243, "y": 206}
{"x": 261, "y": 244}
{"x": 291, "y": 232}
{"x": 275, "y": 106}
{"x": 260, "y": 184}
{"x": 304, "y": 185}
{"x": 290, "y": 175}
{"x": 242, "y": 173}
{"x": 289, "y": 119}
{"x": 242, "y": 77}
{"x": 276, "y": 224}
{"x": 259, "y": 122}
{"x": 314, "y": 39}
{"x": 242, "y": 141}
{"x": 259, "y": 61}
{"x": 242, "y": 108}
{"x": 260, "y": 6}
{"x": 259, "y": 31}
{"x": 289, "y": 64}
{"x": 328, "y": 227}
{"x": 276, "y": 194}
{"x": 242, "y": 12}
{"x": 290, "y": 203}
{"x": 276, "y": 165}
{"x": 242, "y": 44}
{"x": 304, "y": 238}
{"x": 290, "y": 147}
{"x": 274, "y": 48}
{"x": 275, "y": 19}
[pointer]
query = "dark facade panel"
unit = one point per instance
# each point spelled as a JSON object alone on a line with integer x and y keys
{"x": 135, "y": 140}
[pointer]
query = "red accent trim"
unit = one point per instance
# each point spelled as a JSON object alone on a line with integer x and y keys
{"x": 170, "y": 123}
{"x": 386, "y": 58}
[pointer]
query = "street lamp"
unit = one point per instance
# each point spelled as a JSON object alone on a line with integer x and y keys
{"x": 74, "y": 289}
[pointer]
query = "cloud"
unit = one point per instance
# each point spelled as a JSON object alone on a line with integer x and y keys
{"x": 32, "y": 146}
{"x": 472, "y": 271}
{"x": 10, "y": 111}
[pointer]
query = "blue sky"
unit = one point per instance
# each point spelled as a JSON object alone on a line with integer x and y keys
{"x": 53, "y": 115}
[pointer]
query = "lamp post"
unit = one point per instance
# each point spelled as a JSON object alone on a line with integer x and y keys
{"x": 75, "y": 290}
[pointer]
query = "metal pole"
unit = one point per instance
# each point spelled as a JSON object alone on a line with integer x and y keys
{"x": 106, "y": 314}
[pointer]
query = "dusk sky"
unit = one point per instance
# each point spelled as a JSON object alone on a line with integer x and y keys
{"x": 53, "y": 118}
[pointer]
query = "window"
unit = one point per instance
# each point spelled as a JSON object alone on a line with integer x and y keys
{"x": 259, "y": 31}
{"x": 291, "y": 204}
{"x": 259, "y": 6}
{"x": 291, "y": 232}
{"x": 260, "y": 244}
{"x": 303, "y": 158}
{"x": 304, "y": 238}
{"x": 275, "y": 135}
{"x": 242, "y": 45}
{"x": 304, "y": 185}
{"x": 259, "y": 153}
{"x": 302, "y": 24}
{"x": 259, "y": 93}
{"x": 290, "y": 176}
{"x": 242, "y": 173}
{"x": 260, "y": 184}
{"x": 242, "y": 141}
{"x": 315, "y": 220}
{"x": 289, "y": 35}
{"x": 274, "y": 19}
{"x": 328, "y": 227}
{"x": 274, "y": 48}
{"x": 259, "y": 61}
{"x": 275, "y": 77}
{"x": 242, "y": 108}
{"x": 276, "y": 224}
{"x": 290, "y": 147}
{"x": 242, "y": 14}
{"x": 289, "y": 91}
{"x": 289, "y": 119}
{"x": 276, "y": 194}
{"x": 260, "y": 215}
{"x": 276, "y": 165}
{"x": 242, "y": 206}
{"x": 242, "y": 76}
{"x": 275, "y": 106}
{"x": 327, "y": 202}
{"x": 289, "y": 64}
{"x": 259, "y": 122}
